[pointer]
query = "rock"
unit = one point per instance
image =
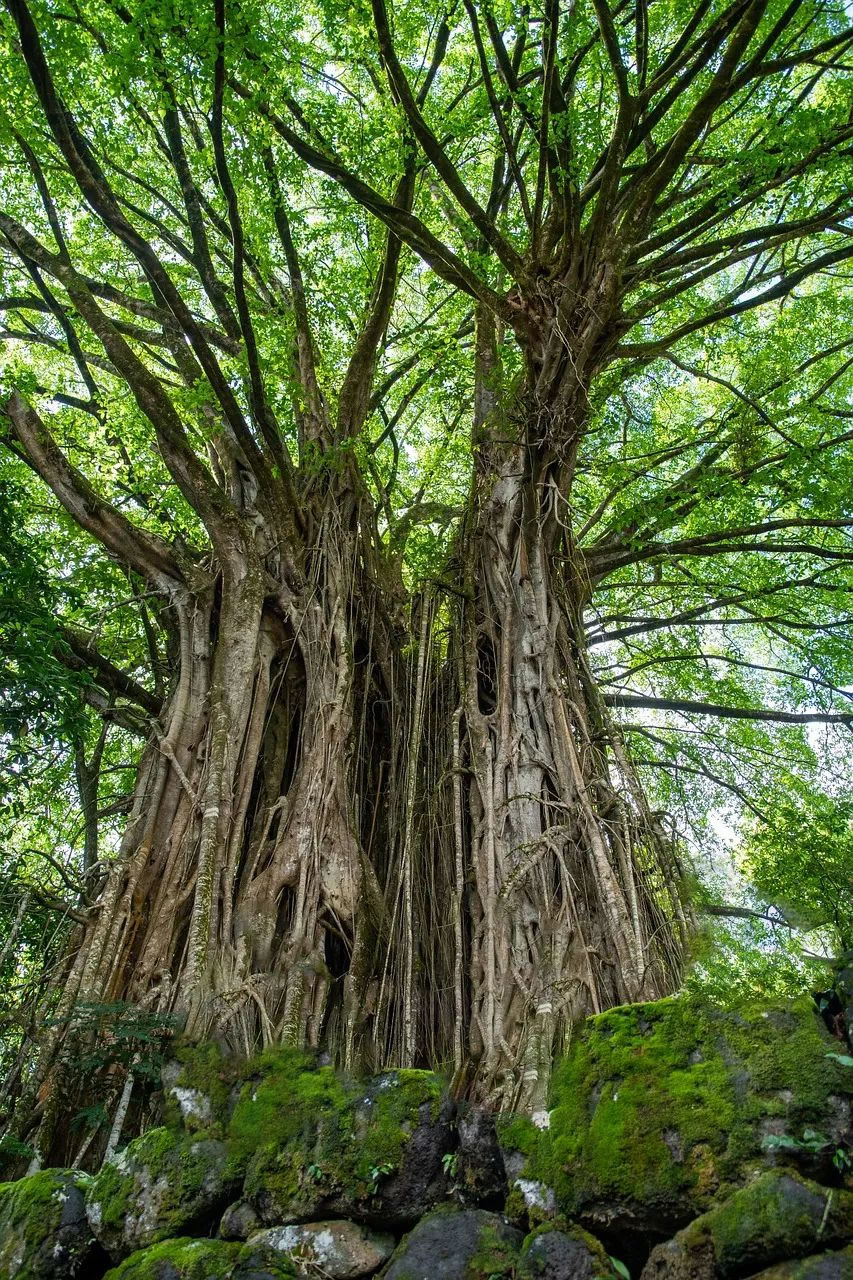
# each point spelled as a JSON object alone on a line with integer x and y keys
{"x": 317, "y": 1146}
{"x": 468, "y": 1244}
{"x": 197, "y": 1088}
{"x": 523, "y": 1147}
{"x": 661, "y": 1109}
{"x": 252, "y": 1269}
{"x": 238, "y": 1221}
{"x": 778, "y": 1217}
{"x": 479, "y": 1169}
{"x": 44, "y": 1233}
{"x": 161, "y": 1185}
{"x": 181, "y": 1259}
{"x": 339, "y": 1249}
{"x": 194, "y": 1106}
{"x": 823, "y": 1266}
{"x": 571, "y": 1254}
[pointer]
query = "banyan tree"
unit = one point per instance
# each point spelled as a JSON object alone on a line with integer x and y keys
{"x": 409, "y": 365}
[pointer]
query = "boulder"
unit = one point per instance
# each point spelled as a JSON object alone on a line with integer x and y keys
{"x": 238, "y": 1221}
{"x": 338, "y": 1249}
{"x": 823, "y": 1266}
{"x": 478, "y": 1168}
{"x": 44, "y": 1232}
{"x": 660, "y": 1110}
{"x": 526, "y": 1157}
{"x": 778, "y": 1217}
{"x": 318, "y": 1146}
{"x": 199, "y": 1089}
{"x": 160, "y": 1186}
{"x": 281, "y": 1269}
{"x": 468, "y": 1244}
{"x": 551, "y": 1253}
{"x": 181, "y": 1259}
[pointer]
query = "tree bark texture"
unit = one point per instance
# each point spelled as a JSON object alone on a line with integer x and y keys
{"x": 328, "y": 774}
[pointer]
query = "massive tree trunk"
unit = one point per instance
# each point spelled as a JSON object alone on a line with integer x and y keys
{"x": 242, "y": 901}
{"x": 327, "y": 775}
{"x": 575, "y": 904}
{"x": 574, "y": 886}
{"x": 324, "y": 780}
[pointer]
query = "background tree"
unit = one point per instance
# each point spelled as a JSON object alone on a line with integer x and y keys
{"x": 442, "y": 387}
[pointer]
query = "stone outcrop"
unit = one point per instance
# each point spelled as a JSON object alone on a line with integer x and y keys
{"x": 453, "y": 1245}
{"x": 778, "y": 1217}
{"x": 162, "y": 1184}
{"x": 337, "y": 1249}
{"x": 694, "y": 1143}
{"x": 662, "y": 1110}
{"x": 44, "y": 1232}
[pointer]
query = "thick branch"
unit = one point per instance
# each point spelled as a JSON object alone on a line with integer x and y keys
{"x": 726, "y": 713}
{"x": 143, "y": 551}
{"x": 81, "y": 652}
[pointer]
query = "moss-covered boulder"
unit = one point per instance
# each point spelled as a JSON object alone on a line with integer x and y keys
{"x": 778, "y": 1217}
{"x": 200, "y": 1087}
{"x": 467, "y": 1244}
{"x": 823, "y": 1266}
{"x": 661, "y": 1109}
{"x": 338, "y": 1249}
{"x": 557, "y": 1252}
{"x": 44, "y": 1233}
{"x": 316, "y": 1145}
{"x": 239, "y": 1221}
{"x": 160, "y": 1186}
{"x": 182, "y": 1259}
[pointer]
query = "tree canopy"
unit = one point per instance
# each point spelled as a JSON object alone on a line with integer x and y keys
{"x": 509, "y": 349}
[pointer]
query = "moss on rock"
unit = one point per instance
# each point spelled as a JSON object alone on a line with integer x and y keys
{"x": 823, "y": 1266}
{"x": 181, "y": 1259}
{"x": 197, "y": 1088}
{"x": 557, "y": 1250}
{"x": 161, "y": 1185}
{"x": 777, "y": 1217}
{"x": 315, "y": 1143}
{"x": 338, "y": 1249}
{"x": 660, "y": 1108}
{"x": 457, "y": 1244}
{"x": 43, "y": 1228}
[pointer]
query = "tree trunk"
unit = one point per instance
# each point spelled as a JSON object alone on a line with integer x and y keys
{"x": 574, "y": 904}
{"x": 242, "y": 901}
{"x": 294, "y": 841}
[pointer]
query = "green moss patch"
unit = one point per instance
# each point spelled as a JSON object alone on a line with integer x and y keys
{"x": 496, "y": 1256}
{"x": 775, "y": 1218}
{"x": 660, "y": 1109}
{"x": 162, "y": 1185}
{"x": 558, "y": 1248}
{"x": 181, "y": 1259}
{"x": 198, "y": 1086}
{"x": 310, "y": 1137}
{"x": 43, "y": 1227}
{"x": 778, "y": 1216}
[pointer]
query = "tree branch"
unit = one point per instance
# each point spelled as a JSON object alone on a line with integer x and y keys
{"x": 145, "y": 552}
{"x": 435, "y": 152}
{"x": 726, "y": 713}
